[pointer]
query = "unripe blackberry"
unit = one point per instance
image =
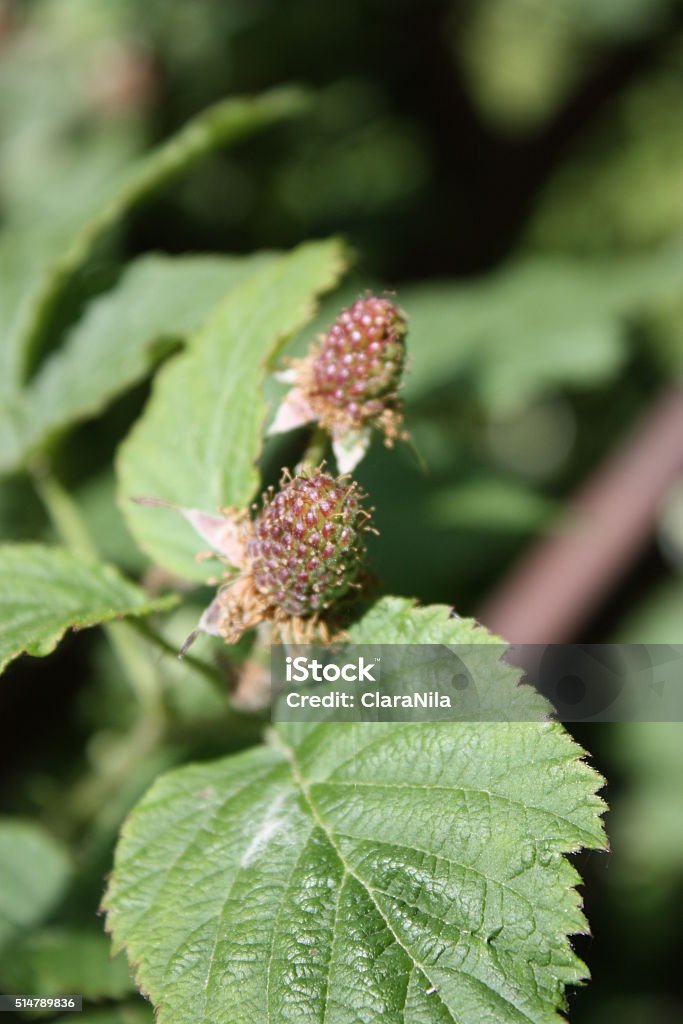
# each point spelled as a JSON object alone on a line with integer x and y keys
{"x": 349, "y": 382}
{"x": 358, "y": 367}
{"x": 302, "y": 552}
{"x": 306, "y": 546}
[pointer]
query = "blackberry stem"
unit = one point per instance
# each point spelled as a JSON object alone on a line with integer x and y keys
{"x": 315, "y": 450}
{"x": 73, "y": 532}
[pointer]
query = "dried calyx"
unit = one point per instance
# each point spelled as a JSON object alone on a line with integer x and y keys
{"x": 303, "y": 550}
{"x": 350, "y": 380}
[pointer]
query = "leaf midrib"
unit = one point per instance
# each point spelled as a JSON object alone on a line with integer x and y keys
{"x": 289, "y": 753}
{"x": 290, "y": 756}
{"x": 243, "y": 342}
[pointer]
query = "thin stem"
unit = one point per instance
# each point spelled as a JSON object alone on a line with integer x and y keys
{"x": 113, "y": 765}
{"x": 315, "y": 449}
{"x": 98, "y": 787}
{"x": 73, "y": 532}
{"x": 146, "y": 631}
{"x": 64, "y": 515}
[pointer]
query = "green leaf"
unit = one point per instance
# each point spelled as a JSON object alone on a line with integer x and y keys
{"x": 45, "y": 591}
{"x": 34, "y": 872}
{"x": 398, "y": 620}
{"x": 363, "y": 871}
{"x": 534, "y": 325}
{"x": 522, "y": 61}
{"x": 59, "y": 154}
{"x": 56, "y": 139}
{"x": 199, "y": 437}
{"x": 226, "y": 122}
{"x": 133, "y": 1013}
{"x": 488, "y": 502}
{"x": 158, "y": 300}
{"x": 647, "y": 819}
{"x": 99, "y": 510}
{"x": 519, "y": 64}
{"x": 63, "y": 961}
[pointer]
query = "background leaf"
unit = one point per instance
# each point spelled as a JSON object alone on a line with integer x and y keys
{"x": 46, "y": 591}
{"x": 648, "y": 826}
{"x": 133, "y": 1013}
{"x": 534, "y": 325}
{"x": 225, "y": 122}
{"x": 66, "y": 961}
{"x": 373, "y": 871}
{"x": 159, "y": 299}
{"x": 34, "y": 871}
{"x": 522, "y": 60}
{"x": 631, "y": 149}
{"x": 198, "y": 439}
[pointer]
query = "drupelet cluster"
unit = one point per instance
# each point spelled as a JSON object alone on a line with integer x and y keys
{"x": 350, "y": 380}
{"x": 301, "y": 551}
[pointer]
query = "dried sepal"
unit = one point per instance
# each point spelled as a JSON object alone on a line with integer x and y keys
{"x": 226, "y": 533}
{"x": 294, "y": 411}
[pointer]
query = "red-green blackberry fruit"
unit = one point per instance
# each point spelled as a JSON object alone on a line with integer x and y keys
{"x": 350, "y": 380}
{"x": 357, "y": 369}
{"x": 306, "y": 547}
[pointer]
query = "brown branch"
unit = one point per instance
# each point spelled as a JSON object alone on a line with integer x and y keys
{"x": 565, "y": 578}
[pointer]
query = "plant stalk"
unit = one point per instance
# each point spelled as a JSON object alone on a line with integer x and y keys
{"x": 73, "y": 532}
{"x": 315, "y": 450}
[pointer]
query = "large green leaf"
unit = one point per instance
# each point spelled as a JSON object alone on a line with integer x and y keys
{"x": 398, "y": 620}
{"x": 200, "y": 434}
{"x": 46, "y": 590}
{"x": 373, "y": 872}
{"x": 159, "y": 299}
{"x": 34, "y": 871}
{"x": 225, "y": 122}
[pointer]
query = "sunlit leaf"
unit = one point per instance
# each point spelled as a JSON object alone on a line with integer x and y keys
{"x": 363, "y": 871}
{"x": 201, "y": 432}
{"x": 224, "y": 123}
{"x": 159, "y": 300}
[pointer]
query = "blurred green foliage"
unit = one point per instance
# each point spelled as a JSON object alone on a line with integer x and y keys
{"x": 523, "y": 57}
{"x": 514, "y": 170}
